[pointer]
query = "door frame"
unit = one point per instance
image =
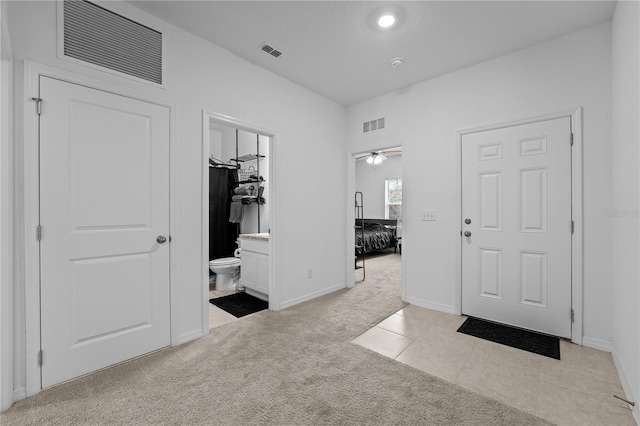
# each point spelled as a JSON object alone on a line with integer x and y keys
{"x": 225, "y": 120}
{"x": 350, "y": 279}
{"x": 29, "y": 140}
{"x": 577, "y": 283}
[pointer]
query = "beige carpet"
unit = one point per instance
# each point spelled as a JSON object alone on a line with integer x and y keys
{"x": 292, "y": 367}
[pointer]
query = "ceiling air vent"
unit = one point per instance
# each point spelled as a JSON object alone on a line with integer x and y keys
{"x": 98, "y": 37}
{"x": 373, "y": 125}
{"x": 270, "y": 50}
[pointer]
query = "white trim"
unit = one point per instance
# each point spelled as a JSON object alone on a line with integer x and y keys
{"x": 124, "y": 12}
{"x": 349, "y": 278}
{"x": 192, "y": 335}
{"x": 628, "y": 389}
{"x": 599, "y": 344}
{"x": 350, "y": 235}
{"x": 297, "y": 300}
{"x": 228, "y": 121}
{"x": 440, "y": 307}
{"x": 29, "y": 125}
{"x": 19, "y": 394}
{"x": 577, "y": 247}
{"x": 403, "y": 259}
{"x": 7, "y": 393}
{"x": 576, "y": 202}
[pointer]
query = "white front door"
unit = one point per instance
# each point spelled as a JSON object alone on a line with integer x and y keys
{"x": 516, "y": 213}
{"x": 104, "y": 201}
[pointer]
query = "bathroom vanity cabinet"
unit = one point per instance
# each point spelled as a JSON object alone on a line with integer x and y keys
{"x": 254, "y": 270}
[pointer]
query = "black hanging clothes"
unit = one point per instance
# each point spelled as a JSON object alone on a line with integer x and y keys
{"x": 222, "y": 234}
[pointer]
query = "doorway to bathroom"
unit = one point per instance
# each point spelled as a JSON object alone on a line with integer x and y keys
{"x": 376, "y": 220}
{"x": 237, "y": 188}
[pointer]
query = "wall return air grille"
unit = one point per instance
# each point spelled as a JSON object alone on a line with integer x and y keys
{"x": 102, "y": 38}
{"x": 373, "y": 125}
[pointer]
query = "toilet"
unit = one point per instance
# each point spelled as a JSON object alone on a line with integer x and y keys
{"x": 226, "y": 270}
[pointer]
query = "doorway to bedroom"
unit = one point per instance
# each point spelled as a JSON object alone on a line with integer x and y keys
{"x": 377, "y": 204}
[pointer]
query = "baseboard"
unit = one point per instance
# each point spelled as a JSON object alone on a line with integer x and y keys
{"x": 629, "y": 394}
{"x": 432, "y": 305}
{"x": 313, "y": 295}
{"x": 192, "y": 335}
{"x": 19, "y": 394}
{"x": 601, "y": 345}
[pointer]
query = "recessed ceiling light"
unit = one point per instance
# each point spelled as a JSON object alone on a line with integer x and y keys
{"x": 386, "y": 21}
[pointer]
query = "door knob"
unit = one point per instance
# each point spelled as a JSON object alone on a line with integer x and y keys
{"x": 467, "y": 233}
{"x": 467, "y": 221}
{"x": 161, "y": 239}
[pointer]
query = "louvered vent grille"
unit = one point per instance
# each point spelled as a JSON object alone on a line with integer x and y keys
{"x": 270, "y": 50}
{"x": 373, "y": 125}
{"x": 100, "y": 37}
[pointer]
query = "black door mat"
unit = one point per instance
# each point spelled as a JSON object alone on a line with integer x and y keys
{"x": 240, "y": 304}
{"x": 538, "y": 343}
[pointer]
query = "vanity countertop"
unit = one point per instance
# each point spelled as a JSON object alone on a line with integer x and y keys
{"x": 263, "y": 236}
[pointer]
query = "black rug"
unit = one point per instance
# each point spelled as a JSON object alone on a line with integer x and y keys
{"x": 538, "y": 343}
{"x": 240, "y": 304}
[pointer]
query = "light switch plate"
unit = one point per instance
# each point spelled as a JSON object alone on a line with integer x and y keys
{"x": 429, "y": 215}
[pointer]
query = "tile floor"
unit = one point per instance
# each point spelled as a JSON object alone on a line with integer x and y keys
{"x": 577, "y": 390}
{"x": 217, "y": 316}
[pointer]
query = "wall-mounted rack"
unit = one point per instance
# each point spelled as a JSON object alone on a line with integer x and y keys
{"x": 252, "y": 157}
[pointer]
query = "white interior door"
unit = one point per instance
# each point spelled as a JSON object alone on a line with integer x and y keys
{"x": 104, "y": 200}
{"x": 516, "y": 196}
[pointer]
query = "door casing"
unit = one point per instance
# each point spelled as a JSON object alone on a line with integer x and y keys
{"x": 225, "y": 120}
{"x": 576, "y": 207}
{"x": 29, "y": 139}
{"x": 350, "y": 236}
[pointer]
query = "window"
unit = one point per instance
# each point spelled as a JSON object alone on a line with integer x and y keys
{"x": 393, "y": 199}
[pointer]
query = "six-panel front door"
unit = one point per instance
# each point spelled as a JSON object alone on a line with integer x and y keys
{"x": 516, "y": 216}
{"x": 104, "y": 201}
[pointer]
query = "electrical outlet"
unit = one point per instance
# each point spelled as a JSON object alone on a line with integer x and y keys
{"x": 429, "y": 215}
{"x": 309, "y": 273}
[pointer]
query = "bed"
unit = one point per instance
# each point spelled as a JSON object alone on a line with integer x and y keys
{"x": 375, "y": 234}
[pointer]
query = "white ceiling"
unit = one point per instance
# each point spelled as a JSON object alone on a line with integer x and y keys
{"x": 334, "y": 47}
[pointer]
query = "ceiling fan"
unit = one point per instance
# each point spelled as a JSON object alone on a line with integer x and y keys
{"x": 377, "y": 157}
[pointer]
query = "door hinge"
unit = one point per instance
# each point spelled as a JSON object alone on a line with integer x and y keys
{"x": 571, "y": 139}
{"x": 38, "y": 102}
{"x": 573, "y": 315}
{"x": 40, "y": 357}
{"x": 39, "y": 232}
{"x": 573, "y": 226}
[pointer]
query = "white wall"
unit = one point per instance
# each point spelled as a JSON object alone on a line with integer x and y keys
{"x": 200, "y": 75}
{"x": 556, "y": 76}
{"x": 215, "y": 144}
{"x": 625, "y": 112}
{"x": 370, "y": 181}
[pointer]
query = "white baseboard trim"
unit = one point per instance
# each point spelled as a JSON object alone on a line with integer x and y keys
{"x": 19, "y": 394}
{"x": 192, "y": 335}
{"x": 601, "y": 345}
{"x": 313, "y": 295}
{"x": 629, "y": 394}
{"x": 432, "y": 305}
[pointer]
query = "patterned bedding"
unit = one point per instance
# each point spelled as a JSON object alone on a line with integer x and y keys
{"x": 376, "y": 237}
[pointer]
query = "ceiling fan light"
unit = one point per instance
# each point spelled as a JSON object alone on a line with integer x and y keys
{"x": 377, "y": 159}
{"x": 370, "y": 159}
